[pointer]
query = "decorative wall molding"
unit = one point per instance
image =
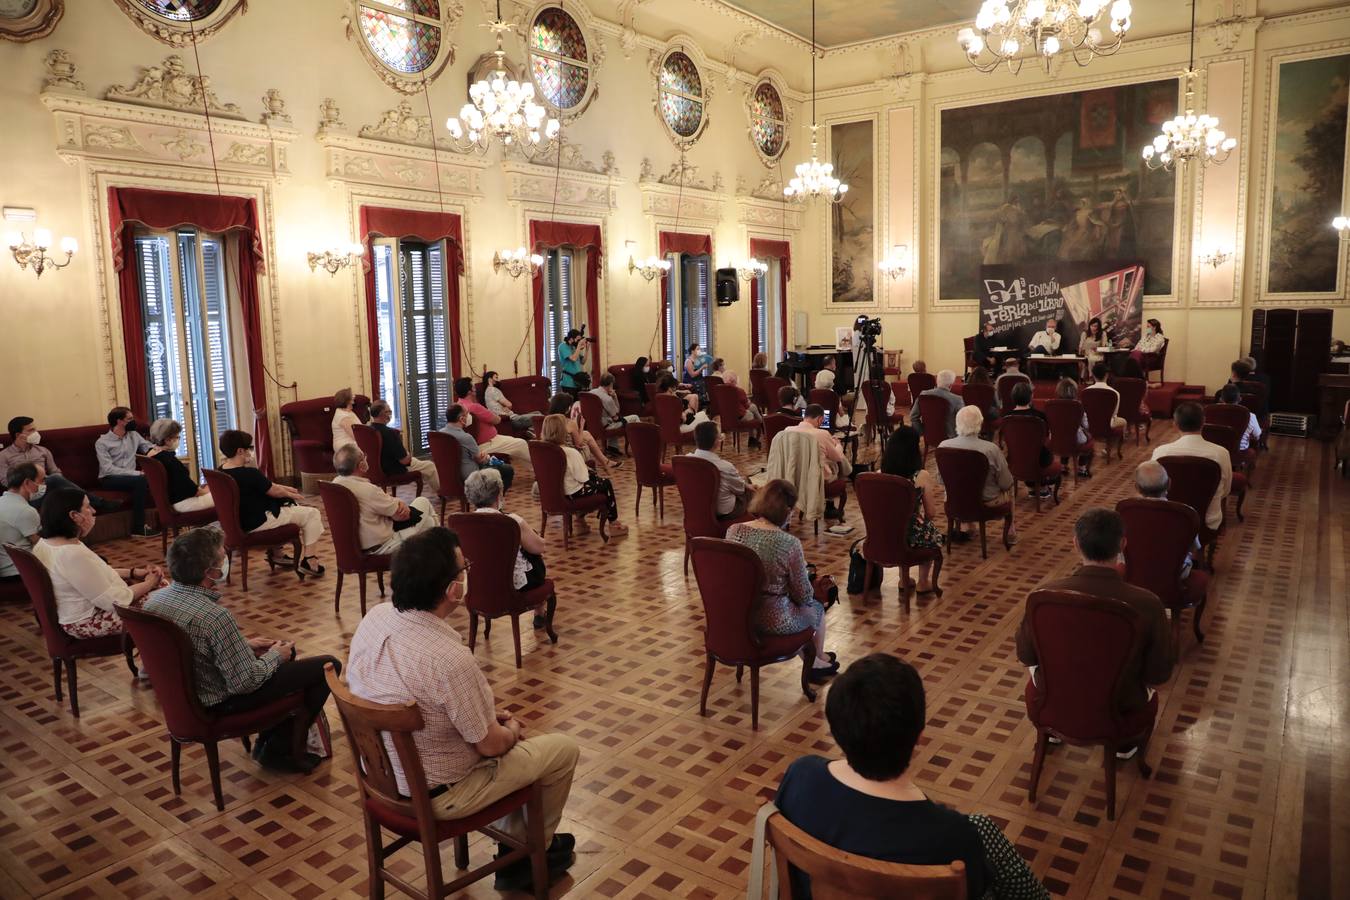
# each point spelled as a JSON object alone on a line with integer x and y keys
{"x": 689, "y": 205}
{"x": 61, "y": 73}
{"x": 573, "y": 158}
{"x": 393, "y": 164}
{"x": 529, "y": 183}
{"x": 401, "y": 125}
{"x": 682, "y": 174}
{"x": 170, "y": 85}
{"x": 767, "y": 216}
{"x": 38, "y": 22}
{"x": 769, "y": 189}
{"x": 182, "y": 34}
{"x": 274, "y": 109}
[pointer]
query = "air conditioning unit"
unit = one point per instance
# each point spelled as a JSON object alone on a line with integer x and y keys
{"x": 1292, "y": 424}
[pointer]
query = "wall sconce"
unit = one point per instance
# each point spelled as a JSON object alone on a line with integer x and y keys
{"x": 1214, "y": 256}
{"x": 897, "y": 264}
{"x": 333, "y": 260}
{"x": 1342, "y": 226}
{"x": 517, "y": 262}
{"x": 34, "y": 253}
{"x": 751, "y": 269}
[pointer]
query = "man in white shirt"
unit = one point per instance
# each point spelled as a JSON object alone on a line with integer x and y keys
{"x": 1251, "y": 435}
{"x": 733, "y": 492}
{"x": 1046, "y": 341}
{"x": 377, "y": 532}
{"x": 825, "y": 377}
{"x": 1099, "y": 384}
{"x": 1190, "y": 419}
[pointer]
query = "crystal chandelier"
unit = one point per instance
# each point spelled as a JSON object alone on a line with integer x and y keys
{"x": 1044, "y": 28}
{"x": 332, "y": 259}
{"x": 814, "y": 179}
{"x": 1189, "y": 138}
{"x": 517, "y": 262}
{"x": 1214, "y": 256}
{"x": 897, "y": 264}
{"x": 501, "y": 107}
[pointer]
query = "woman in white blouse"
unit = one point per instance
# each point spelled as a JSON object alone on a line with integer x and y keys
{"x": 483, "y": 489}
{"x": 86, "y": 587}
{"x": 578, "y": 480}
{"x": 344, "y": 417}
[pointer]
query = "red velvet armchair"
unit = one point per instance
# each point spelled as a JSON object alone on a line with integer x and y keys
{"x": 1193, "y": 481}
{"x": 772, "y": 386}
{"x": 1231, "y": 440}
{"x": 593, "y": 412}
{"x": 549, "y": 464}
{"x": 964, "y": 473}
{"x": 310, "y": 423}
{"x": 445, "y": 456}
{"x": 878, "y": 395}
{"x": 1237, "y": 417}
{"x": 933, "y": 411}
{"x": 919, "y": 382}
{"x": 1156, "y": 362}
{"x": 1099, "y": 405}
{"x": 730, "y": 577}
{"x": 1132, "y": 393}
{"x": 344, "y": 522}
{"x": 1159, "y": 535}
{"x": 698, "y": 481}
{"x": 371, "y": 443}
{"x": 1004, "y": 388}
{"x": 632, "y": 399}
{"x": 774, "y": 424}
{"x": 670, "y": 416}
{"x": 1024, "y": 437}
{"x": 527, "y": 394}
{"x": 757, "y": 394}
{"x": 157, "y": 482}
{"x": 888, "y": 503}
{"x": 225, "y": 491}
{"x": 729, "y": 398}
{"x": 1066, "y": 417}
{"x": 644, "y": 442}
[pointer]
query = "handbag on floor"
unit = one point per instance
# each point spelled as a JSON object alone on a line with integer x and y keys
{"x": 857, "y": 571}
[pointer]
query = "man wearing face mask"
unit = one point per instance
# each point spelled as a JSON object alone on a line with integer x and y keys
{"x": 116, "y": 449}
{"x": 235, "y": 674}
{"x": 19, "y": 522}
{"x": 385, "y": 521}
{"x": 25, "y": 446}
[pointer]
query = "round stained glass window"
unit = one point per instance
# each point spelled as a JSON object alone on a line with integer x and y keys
{"x": 767, "y": 127}
{"x": 681, "y": 94}
{"x": 405, "y": 35}
{"x": 559, "y": 64}
{"x": 181, "y": 10}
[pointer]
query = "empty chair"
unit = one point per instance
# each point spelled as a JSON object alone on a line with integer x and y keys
{"x": 1230, "y": 440}
{"x": 774, "y": 424}
{"x": 1025, "y": 438}
{"x": 371, "y": 443}
{"x": 344, "y": 521}
{"x": 157, "y": 482}
{"x": 549, "y": 463}
{"x": 919, "y": 382}
{"x": 644, "y": 443}
{"x": 1159, "y": 535}
{"x": 697, "y": 480}
{"x": 670, "y": 412}
{"x": 1100, "y": 406}
{"x": 446, "y": 456}
{"x": 933, "y": 414}
{"x": 1132, "y": 407}
{"x": 226, "y": 493}
{"x": 593, "y": 413}
{"x": 1193, "y": 481}
{"x": 887, "y": 503}
{"x": 964, "y": 473}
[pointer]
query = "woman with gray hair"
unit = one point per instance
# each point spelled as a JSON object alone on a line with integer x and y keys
{"x": 184, "y": 492}
{"x": 483, "y": 489}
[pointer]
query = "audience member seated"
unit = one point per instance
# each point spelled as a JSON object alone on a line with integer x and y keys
{"x": 667, "y": 384}
{"x": 1151, "y": 342}
{"x": 985, "y": 342}
{"x": 235, "y": 674}
{"x": 787, "y": 601}
{"x": 790, "y": 402}
{"x": 1091, "y": 343}
{"x": 344, "y": 417}
{"x": 565, "y": 404}
{"x": 394, "y": 456}
{"x": 1021, "y": 406}
{"x": 1067, "y": 389}
{"x": 644, "y": 376}
{"x": 472, "y": 456}
{"x": 87, "y": 589}
{"x": 746, "y": 410}
{"x": 496, "y": 402}
{"x": 485, "y": 422}
{"x": 733, "y": 491}
{"x": 19, "y": 521}
{"x": 919, "y": 367}
{"x": 473, "y": 752}
{"x": 945, "y": 379}
{"x": 1099, "y": 383}
{"x": 1098, "y": 538}
{"x": 1261, "y": 378}
{"x": 185, "y": 493}
{"x": 116, "y": 450}
{"x": 578, "y": 479}
{"x": 1012, "y": 371}
{"x": 980, "y": 376}
{"x": 825, "y": 377}
{"x": 484, "y": 490}
{"x": 998, "y": 483}
{"x": 1237, "y": 373}
{"x": 760, "y": 361}
{"x": 1190, "y": 419}
{"x": 1152, "y": 482}
{"x": 832, "y": 459}
{"x": 904, "y": 458}
{"x": 385, "y": 521}
{"x": 1230, "y": 394}
{"x": 608, "y": 395}
{"x": 264, "y": 503}
{"x": 26, "y": 447}
{"x": 868, "y": 804}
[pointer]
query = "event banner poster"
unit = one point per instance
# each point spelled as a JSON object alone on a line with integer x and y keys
{"x": 1019, "y": 299}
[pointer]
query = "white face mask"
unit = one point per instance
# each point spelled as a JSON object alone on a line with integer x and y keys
{"x": 34, "y": 439}
{"x": 224, "y": 571}
{"x": 40, "y": 492}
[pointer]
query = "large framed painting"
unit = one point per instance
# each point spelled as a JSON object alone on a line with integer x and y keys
{"x": 1056, "y": 177}
{"x": 853, "y": 219}
{"x": 1307, "y": 175}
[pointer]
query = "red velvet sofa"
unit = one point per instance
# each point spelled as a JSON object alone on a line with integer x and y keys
{"x": 527, "y": 394}
{"x": 310, "y": 423}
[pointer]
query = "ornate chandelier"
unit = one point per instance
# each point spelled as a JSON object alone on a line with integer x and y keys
{"x": 501, "y": 107}
{"x": 517, "y": 262}
{"x": 751, "y": 269}
{"x": 649, "y": 268}
{"x": 1012, "y": 31}
{"x": 1189, "y": 138}
{"x": 897, "y": 264}
{"x": 814, "y": 179}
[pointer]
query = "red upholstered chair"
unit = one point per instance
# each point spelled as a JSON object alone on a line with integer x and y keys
{"x": 549, "y": 464}
{"x": 157, "y": 481}
{"x": 445, "y": 456}
{"x": 1065, "y": 417}
{"x": 1237, "y": 417}
{"x": 632, "y": 400}
{"x": 167, "y": 655}
{"x": 371, "y": 443}
{"x": 1099, "y": 405}
{"x": 1230, "y": 440}
{"x": 670, "y": 412}
{"x": 964, "y": 473}
{"x": 826, "y": 398}
{"x": 490, "y": 543}
{"x": 225, "y": 491}
{"x": 1159, "y": 535}
{"x": 728, "y": 398}
{"x": 900, "y": 391}
{"x": 878, "y": 395}
{"x": 1193, "y": 481}
{"x": 888, "y": 503}
{"x": 710, "y": 385}
{"x": 1132, "y": 392}
{"x": 698, "y": 481}
{"x": 526, "y": 394}
{"x": 982, "y": 396}
{"x": 919, "y": 382}
{"x": 385, "y": 807}
{"x": 344, "y": 521}
{"x": 61, "y": 647}
{"x": 1156, "y": 362}
{"x": 730, "y": 577}
{"x": 593, "y": 412}
{"x": 1258, "y": 403}
{"x": 933, "y": 412}
{"x": 774, "y": 424}
{"x": 644, "y": 442}
{"x": 772, "y": 386}
{"x": 1024, "y": 436}
{"x": 1084, "y": 645}
{"x": 1004, "y": 388}
{"x": 310, "y": 423}
{"x": 968, "y": 345}
{"x": 757, "y": 377}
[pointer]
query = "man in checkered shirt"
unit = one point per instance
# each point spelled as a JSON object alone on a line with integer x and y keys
{"x": 472, "y": 752}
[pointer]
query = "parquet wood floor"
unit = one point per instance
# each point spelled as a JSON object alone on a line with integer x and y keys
{"x": 1248, "y": 800}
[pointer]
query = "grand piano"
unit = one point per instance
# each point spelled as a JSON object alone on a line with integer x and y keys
{"x": 801, "y": 366}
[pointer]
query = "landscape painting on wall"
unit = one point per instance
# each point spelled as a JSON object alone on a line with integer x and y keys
{"x": 1059, "y": 177}
{"x": 1307, "y": 175}
{"x": 853, "y": 220}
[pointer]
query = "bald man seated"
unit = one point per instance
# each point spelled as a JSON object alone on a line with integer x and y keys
{"x": 1152, "y": 482}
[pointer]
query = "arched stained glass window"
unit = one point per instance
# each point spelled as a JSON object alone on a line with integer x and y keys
{"x": 681, "y": 96}
{"x": 179, "y": 23}
{"x": 405, "y": 35}
{"x": 559, "y": 63}
{"x": 181, "y": 10}
{"x": 767, "y": 122}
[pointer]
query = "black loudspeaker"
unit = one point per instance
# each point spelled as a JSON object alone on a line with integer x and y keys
{"x": 728, "y": 291}
{"x": 1312, "y": 352}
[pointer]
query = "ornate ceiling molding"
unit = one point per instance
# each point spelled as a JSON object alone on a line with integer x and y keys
{"x": 680, "y": 194}
{"x": 401, "y": 125}
{"x": 534, "y": 185}
{"x": 170, "y": 85}
{"x": 38, "y": 22}
{"x": 393, "y": 162}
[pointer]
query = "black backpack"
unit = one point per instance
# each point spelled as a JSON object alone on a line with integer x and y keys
{"x": 857, "y": 571}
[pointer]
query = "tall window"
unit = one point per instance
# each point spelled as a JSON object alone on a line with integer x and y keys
{"x": 405, "y": 41}
{"x": 562, "y": 311}
{"x": 559, "y": 63}
{"x": 768, "y": 313}
{"x": 189, "y": 344}
{"x": 768, "y": 124}
{"x": 681, "y": 97}
{"x": 689, "y": 316}
{"x": 413, "y": 326}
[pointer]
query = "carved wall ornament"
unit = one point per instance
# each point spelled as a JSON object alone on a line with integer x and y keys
{"x": 400, "y": 124}
{"x": 180, "y": 32}
{"x": 61, "y": 73}
{"x": 171, "y": 86}
{"x": 246, "y": 154}
{"x": 1229, "y": 23}
{"x": 739, "y": 41}
{"x": 181, "y": 145}
{"x": 330, "y": 117}
{"x": 362, "y": 166}
{"x": 628, "y": 35}
{"x": 573, "y": 158}
{"x": 37, "y": 22}
{"x": 110, "y": 137}
{"x": 274, "y": 109}
{"x": 407, "y": 173}
{"x": 682, "y": 174}
{"x": 768, "y": 188}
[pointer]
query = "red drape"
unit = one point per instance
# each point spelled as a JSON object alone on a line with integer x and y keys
{"x": 421, "y": 225}
{"x": 129, "y": 207}
{"x": 781, "y": 251}
{"x": 550, "y": 236}
{"x": 677, "y": 242}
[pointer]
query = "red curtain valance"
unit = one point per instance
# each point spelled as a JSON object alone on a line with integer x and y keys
{"x": 679, "y": 242}
{"x": 169, "y": 209}
{"x": 779, "y": 250}
{"x": 550, "y": 236}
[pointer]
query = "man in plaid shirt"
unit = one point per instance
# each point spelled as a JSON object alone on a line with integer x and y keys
{"x": 234, "y": 673}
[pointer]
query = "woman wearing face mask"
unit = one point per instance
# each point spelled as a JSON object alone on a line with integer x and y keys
{"x": 184, "y": 493}
{"x": 1152, "y": 342}
{"x": 265, "y": 504}
{"x": 787, "y": 603}
{"x": 483, "y": 489}
{"x": 86, "y": 587}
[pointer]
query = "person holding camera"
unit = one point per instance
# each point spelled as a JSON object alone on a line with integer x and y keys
{"x": 572, "y": 358}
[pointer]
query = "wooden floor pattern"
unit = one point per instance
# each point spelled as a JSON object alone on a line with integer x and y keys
{"x": 1252, "y": 756}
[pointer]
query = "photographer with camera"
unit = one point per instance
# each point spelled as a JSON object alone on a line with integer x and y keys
{"x": 572, "y": 358}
